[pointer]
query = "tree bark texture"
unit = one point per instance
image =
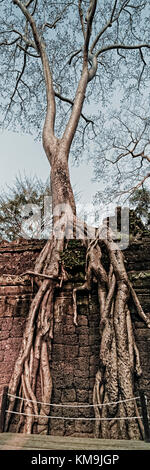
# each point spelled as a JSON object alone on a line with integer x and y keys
{"x": 119, "y": 362}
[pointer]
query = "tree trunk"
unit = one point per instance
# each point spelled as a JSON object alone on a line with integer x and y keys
{"x": 60, "y": 184}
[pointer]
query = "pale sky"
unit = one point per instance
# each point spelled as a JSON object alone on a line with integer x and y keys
{"x": 21, "y": 154}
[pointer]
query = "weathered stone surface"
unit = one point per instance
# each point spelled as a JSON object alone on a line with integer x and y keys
{"x": 86, "y": 426}
{"x": 82, "y": 320}
{"x": 69, "y": 395}
{"x": 18, "y": 256}
{"x": 84, "y": 351}
{"x": 82, "y": 396}
{"x": 75, "y": 352}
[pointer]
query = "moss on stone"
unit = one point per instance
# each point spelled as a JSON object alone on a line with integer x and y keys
{"x": 139, "y": 275}
{"x": 73, "y": 257}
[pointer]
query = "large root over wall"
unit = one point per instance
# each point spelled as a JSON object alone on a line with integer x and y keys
{"x": 119, "y": 360}
{"x": 35, "y": 353}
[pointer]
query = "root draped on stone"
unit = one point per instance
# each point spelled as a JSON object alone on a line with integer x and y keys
{"x": 114, "y": 388}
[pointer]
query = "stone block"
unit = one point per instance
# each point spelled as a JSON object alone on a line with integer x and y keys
{"x": 68, "y": 380}
{"x": 84, "y": 351}
{"x": 17, "y": 328}
{"x": 56, "y": 427}
{"x": 82, "y": 395}
{"x": 82, "y": 373}
{"x": 4, "y": 334}
{"x": 58, "y": 352}
{"x": 91, "y": 383}
{"x": 86, "y": 411}
{"x": 93, "y": 370}
{"x": 70, "y": 352}
{"x": 81, "y": 364}
{"x": 84, "y": 426}
{"x": 94, "y": 361}
{"x": 70, "y": 339}
{"x": 94, "y": 339}
{"x": 1, "y": 356}
{"x": 68, "y": 395}
{"x": 69, "y": 329}
{"x": 58, "y": 329}
{"x": 142, "y": 334}
{"x": 71, "y": 411}
{"x": 84, "y": 339}
{"x": 81, "y": 382}
{"x": 69, "y": 427}
{"x": 68, "y": 368}
{"x": 6, "y": 324}
{"x": 82, "y": 320}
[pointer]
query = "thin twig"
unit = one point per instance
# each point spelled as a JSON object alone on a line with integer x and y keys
{"x": 69, "y": 101}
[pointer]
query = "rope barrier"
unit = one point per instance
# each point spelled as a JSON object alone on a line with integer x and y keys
{"x": 72, "y": 418}
{"x": 65, "y": 405}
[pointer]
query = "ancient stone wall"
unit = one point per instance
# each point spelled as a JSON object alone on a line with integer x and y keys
{"x": 75, "y": 352}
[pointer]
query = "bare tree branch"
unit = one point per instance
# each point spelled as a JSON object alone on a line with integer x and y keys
{"x": 89, "y": 18}
{"x": 74, "y": 55}
{"x": 141, "y": 182}
{"x": 122, "y": 46}
{"x": 34, "y": 8}
{"x": 59, "y": 17}
{"x": 17, "y": 81}
{"x": 142, "y": 57}
{"x": 111, "y": 20}
{"x": 29, "y": 3}
{"x": 48, "y": 130}
{"x": 6, "y": 43}
{"x": 81, "y": 17}
{"x": 85, "y": 77}
{"x": 37, "y": 56}
{"x": 69, "y": 101}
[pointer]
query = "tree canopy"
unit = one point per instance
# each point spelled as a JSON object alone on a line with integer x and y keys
{"x": 19, "y": 209}
{"x": 140, "y": 200}
{"x": 115, "y": 37}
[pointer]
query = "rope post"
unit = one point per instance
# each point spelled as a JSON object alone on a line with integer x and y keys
{"x": 3, "y": 409}
{"x": 145, "y": 416}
